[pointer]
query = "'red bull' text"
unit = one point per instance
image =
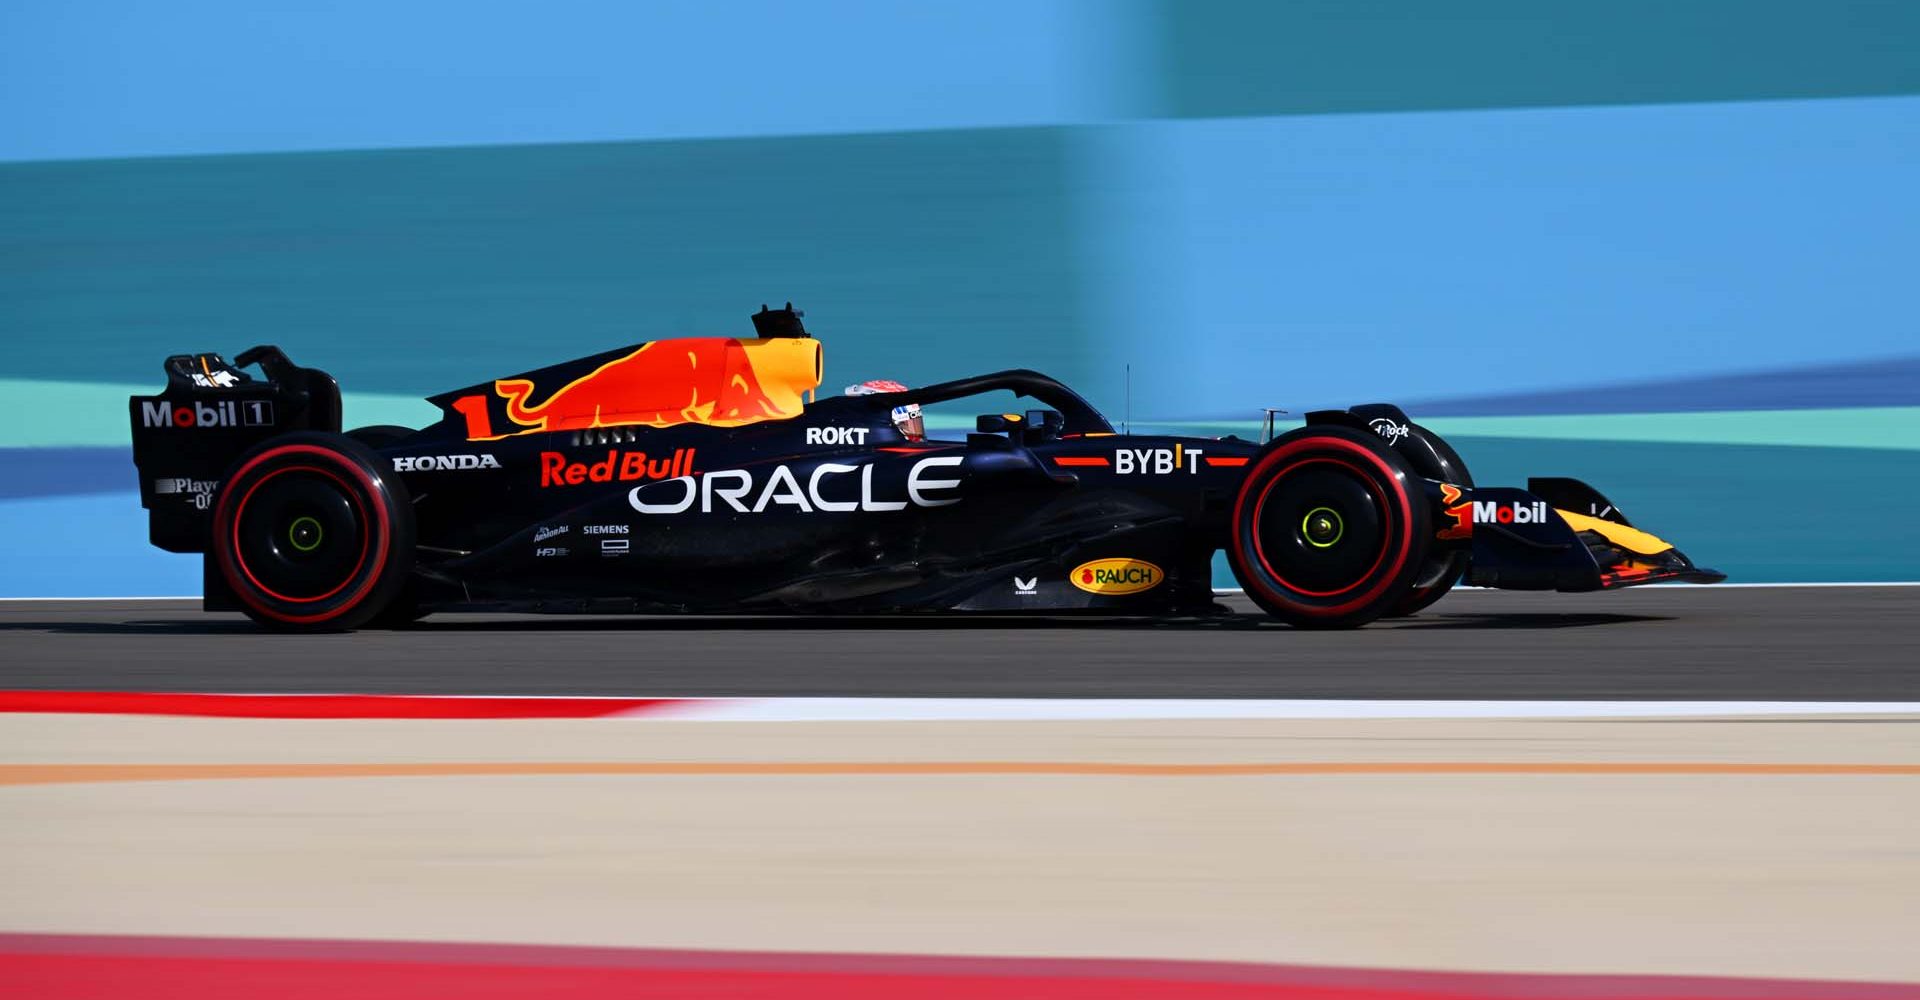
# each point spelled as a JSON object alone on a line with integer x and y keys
{"x": 627, "y": 466}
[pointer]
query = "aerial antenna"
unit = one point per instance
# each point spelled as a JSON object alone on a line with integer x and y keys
{"x": 1271, "y": 412}
{"x": 1126, "y": 422}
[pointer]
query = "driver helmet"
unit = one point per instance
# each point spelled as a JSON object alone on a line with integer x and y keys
{"x": 905, "y": 418}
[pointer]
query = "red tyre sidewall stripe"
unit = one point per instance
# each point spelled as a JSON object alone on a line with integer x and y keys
{"x": 1260, "y": 551}
{"x": 241, "y": 509}
{"x": 228, "y": 517}
{"x": 1392, "y": 475}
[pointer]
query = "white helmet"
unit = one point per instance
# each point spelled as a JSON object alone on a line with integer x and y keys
{"x": 906, "y": 418}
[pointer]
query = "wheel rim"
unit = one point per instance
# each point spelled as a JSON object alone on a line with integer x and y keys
{"x": 306, "y": 533}
{"x": 1322, "y": 527}
{"x": 299, "y": 534}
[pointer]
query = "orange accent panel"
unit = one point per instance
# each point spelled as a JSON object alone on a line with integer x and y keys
{"x": 1631, "y": 539}
{"x": 696, "y": 380}
{"x": 1462, "y": 513}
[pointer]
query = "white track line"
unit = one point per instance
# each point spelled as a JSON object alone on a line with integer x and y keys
{"x": 1465, "y": 588}
{"x": 28, "y": 600}
{"x": 1066, "y": 709}
{"x": 813, "y": 709}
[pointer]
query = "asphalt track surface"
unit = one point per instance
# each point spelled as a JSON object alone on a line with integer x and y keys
{"x": 1664, "y": 643}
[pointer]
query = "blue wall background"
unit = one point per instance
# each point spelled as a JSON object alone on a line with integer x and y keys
{"x": 1667, "y": 250}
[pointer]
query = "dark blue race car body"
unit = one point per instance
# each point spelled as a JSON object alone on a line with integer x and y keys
{"x": 692, "y": 476}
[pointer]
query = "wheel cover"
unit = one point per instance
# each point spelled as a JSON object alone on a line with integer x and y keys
{"x": 1322, "y": 527}
{"x": 305, "y": 533}
{"x": 300, "y": 534}
{"x": 1403, "y": 536}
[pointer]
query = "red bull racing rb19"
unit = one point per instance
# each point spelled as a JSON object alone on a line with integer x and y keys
{"x": 704, "y": 475}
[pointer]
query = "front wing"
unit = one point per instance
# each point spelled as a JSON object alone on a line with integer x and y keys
{"x": 1557, "y": 534}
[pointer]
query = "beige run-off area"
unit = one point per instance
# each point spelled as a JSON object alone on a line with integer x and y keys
{"x": 1707, "y": 859}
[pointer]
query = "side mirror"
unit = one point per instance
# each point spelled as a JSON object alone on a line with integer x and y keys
{"x": 1046, "y": 424}
{"x": 997, "y": 423}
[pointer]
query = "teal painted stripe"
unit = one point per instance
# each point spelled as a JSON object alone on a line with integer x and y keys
{"x": 77, "y": 414}
{"x": 80, "y": 414}
{"x": 1249, "y": 57}
{"x": 1760, "y": 514}
{"x": 1883, "y": 428}
{"x": 92, "y": 414}
{"x": 1888, "y": 428}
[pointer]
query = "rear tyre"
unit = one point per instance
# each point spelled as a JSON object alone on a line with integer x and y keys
{"x": 404, "y": 609}
{"x": 1329, "y": 528}
{"x": 312, "y": 534}
{"x": 1434, "y": 458}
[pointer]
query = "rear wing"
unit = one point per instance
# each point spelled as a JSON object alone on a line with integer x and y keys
{"x": 186, "y": 438}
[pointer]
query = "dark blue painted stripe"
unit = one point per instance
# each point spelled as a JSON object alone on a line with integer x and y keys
{"x": 45, "y": 472}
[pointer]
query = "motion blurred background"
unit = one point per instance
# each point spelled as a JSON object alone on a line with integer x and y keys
{"x": 1669, "y": 248}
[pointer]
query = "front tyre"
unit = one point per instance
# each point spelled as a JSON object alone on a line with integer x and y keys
{"x": 1434, "y": 458}
{"x": 1330, "y": 528}
{"x": 311, "y": 533}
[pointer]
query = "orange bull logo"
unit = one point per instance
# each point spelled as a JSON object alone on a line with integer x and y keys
{"x": 720, "y": 381}
{"x": 1461, "y": 512}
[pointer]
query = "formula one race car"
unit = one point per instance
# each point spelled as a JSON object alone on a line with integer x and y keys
{"x": 698, "y": 475}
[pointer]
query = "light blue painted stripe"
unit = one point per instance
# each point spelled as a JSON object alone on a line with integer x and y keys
{"x": 87, "y": 546}
{"x": 78, "y": 414}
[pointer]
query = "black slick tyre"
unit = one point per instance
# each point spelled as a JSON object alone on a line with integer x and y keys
{"x": 1330, "y": 528}
{"x": 404, "y": 609}
{"x": 312, "y": 534}
{"x": 1434, "y": 458}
